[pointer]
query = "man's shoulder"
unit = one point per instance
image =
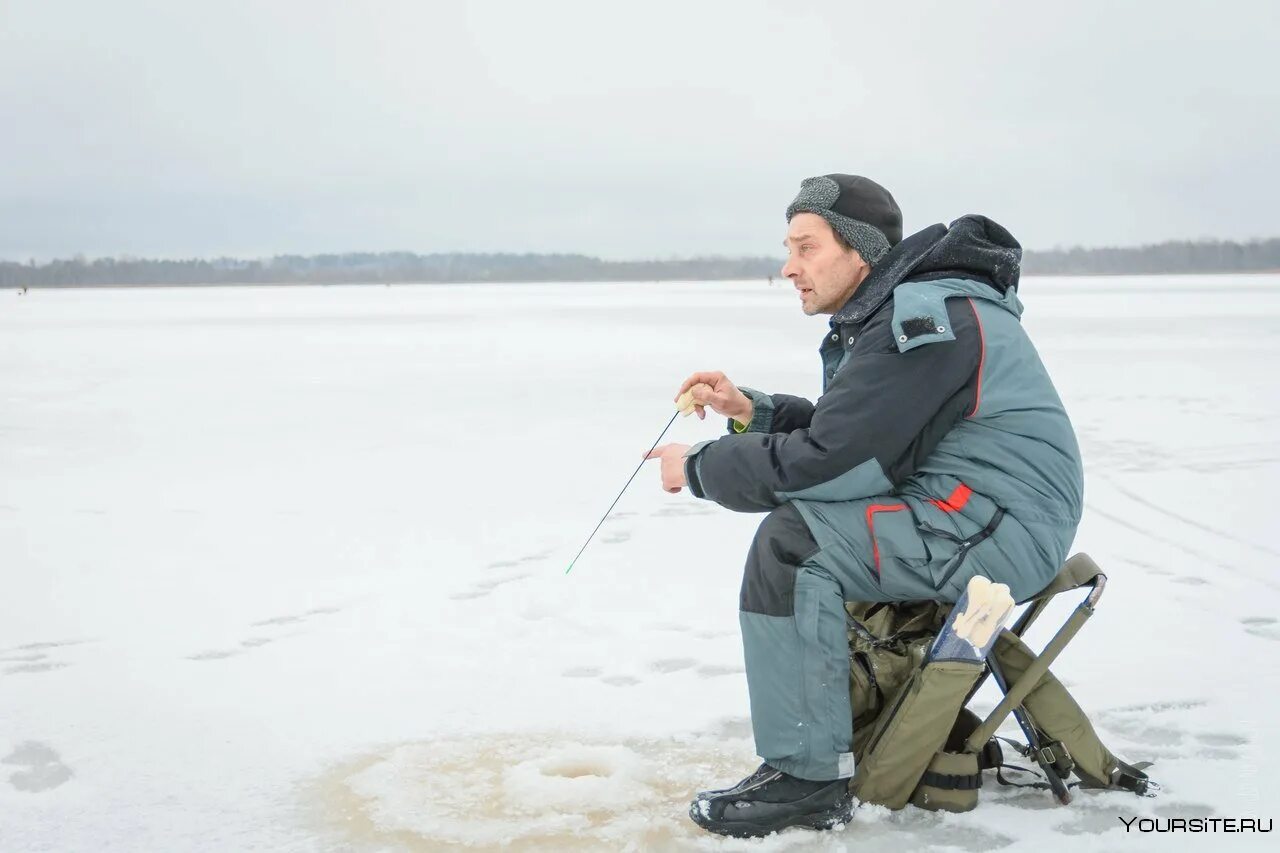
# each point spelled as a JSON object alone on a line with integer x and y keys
{"x": 919, "y": 312}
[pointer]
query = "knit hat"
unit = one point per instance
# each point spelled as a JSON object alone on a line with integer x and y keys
{"x": 859, "y": 209}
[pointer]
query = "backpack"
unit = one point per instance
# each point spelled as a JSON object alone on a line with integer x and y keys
{"x": 914, "y": 741}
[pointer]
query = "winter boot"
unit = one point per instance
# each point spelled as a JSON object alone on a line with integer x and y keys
{"x": 768, "y": 801}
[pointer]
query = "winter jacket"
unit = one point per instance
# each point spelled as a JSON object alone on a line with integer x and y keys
{"x": 932, "y": 395}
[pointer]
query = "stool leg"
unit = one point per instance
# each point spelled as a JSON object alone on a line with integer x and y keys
{"x": 1056, "y": 782}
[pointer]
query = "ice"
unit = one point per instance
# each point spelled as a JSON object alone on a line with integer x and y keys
{"x": 283, "y": 568}
{"x": 534, "y": 791}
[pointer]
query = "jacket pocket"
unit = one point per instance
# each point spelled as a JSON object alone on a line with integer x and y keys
{"x": 952, "y": 526}
{"x": 898, "y": 553}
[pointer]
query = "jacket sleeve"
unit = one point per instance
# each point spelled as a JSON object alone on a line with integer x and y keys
{"x": 882, "y": 414}
{"x": 773, "y": 413}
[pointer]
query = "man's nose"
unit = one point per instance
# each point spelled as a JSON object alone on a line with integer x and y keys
{"x": 790, "y": 269}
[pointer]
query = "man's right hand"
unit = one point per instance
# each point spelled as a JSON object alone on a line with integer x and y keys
{"x": 711, "y": 388}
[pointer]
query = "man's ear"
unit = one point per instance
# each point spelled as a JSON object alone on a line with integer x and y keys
{"x": 863, "y": 268}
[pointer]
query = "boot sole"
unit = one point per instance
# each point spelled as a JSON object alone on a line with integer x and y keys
{"x": 828, "y": 819}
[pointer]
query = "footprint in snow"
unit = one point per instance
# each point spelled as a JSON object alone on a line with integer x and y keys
{"x": 56, "y": 644}
{"x": 245, "y": 645}
{"x": 257, "y": 640}
{"x": 27, "y": 658}
{"x": 615, "y": 538}
{"x": 511, "y": 564}
{"x": 34, "y": 657}
{"x": 484, "y": 588}
{"x": 1222, "y": 739}
{"x": 293, "y": 618}
{"x": 215, "y": 654}
{"x": 1152, "y": 568}
{"x": 1262, "y": 626}
{"x": 41, "y": 768}
{"x": 715, "y": 670}
{"x": 672, "y": 664}
{"x": 680, "y": 510}
{"x": 1155, "y": 738}
{"x": 582, "y": 672}
{"x": 46, "y": 666}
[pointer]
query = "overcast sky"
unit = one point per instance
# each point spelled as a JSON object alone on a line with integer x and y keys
{"x": 652, "y": 129}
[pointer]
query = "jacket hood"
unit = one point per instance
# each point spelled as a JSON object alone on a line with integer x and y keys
{"x": 973, "y": 247}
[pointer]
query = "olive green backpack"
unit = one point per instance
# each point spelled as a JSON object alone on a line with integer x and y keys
{"x": 914, "y": 740}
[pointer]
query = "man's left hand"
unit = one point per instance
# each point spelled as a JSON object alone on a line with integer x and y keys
{"x": 672, "y": 456}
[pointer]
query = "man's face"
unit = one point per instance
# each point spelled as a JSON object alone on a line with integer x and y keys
{"x": 824, "y": 272}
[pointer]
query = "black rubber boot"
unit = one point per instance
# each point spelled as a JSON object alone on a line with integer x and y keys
{"x": 770, "y": 800}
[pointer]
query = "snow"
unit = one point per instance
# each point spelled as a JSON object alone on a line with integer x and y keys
{"x": 283, "y": 568}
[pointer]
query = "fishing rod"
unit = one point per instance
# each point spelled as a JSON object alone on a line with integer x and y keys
{"x": 684, "y": 406}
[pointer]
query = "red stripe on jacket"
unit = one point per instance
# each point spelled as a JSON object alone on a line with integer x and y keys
{"x": 871, "y": 528}
{"x": 956, "y": 501}
{"x": 982, "y": 359}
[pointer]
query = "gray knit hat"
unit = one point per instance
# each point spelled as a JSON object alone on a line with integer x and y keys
{"x": 859, "y": 209}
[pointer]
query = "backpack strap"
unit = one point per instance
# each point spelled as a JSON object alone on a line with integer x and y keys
{"x": 951, "y": 782}
{"x": 1057, "y": 750}
{"x": 990, "y": 757}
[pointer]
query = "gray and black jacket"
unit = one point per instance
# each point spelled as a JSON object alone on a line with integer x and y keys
{"x": 932, "y": 394}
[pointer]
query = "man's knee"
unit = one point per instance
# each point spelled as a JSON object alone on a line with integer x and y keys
{"x": 782, "y": 542}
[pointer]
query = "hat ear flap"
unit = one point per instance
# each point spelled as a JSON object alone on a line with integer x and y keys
{"x": 816, "y": 194}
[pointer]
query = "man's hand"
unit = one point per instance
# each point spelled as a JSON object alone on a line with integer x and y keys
{"x": 672, "y": 456}
{"x": 712, "y": 388}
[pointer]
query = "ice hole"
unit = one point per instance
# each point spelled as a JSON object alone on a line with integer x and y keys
{"x": 574, "y": 771}
{"x": 528, "y": 791}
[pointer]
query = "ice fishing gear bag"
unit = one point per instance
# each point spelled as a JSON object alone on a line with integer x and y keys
{"x": 906, "y": 709}
{"x": 914, "y": 741}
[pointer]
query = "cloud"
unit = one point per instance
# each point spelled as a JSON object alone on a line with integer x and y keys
{"x": 156, "y": 128}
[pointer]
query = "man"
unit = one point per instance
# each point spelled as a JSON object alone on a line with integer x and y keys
{"x": 939, "y": 450}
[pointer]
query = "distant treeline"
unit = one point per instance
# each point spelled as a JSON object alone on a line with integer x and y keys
{"x": 400, "y": 267}
{"x": 1180, "y": 256}
{"x": 380, "y": 268}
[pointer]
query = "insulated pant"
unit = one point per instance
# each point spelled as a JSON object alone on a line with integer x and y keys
{"x": 800, "y": 570}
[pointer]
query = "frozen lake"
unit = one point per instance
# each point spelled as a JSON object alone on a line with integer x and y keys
{"x": 283, "y": 568}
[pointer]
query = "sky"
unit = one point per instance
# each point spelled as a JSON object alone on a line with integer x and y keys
{"x": 645, "y": 130}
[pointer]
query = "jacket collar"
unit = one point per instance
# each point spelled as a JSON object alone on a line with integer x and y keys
{"x": 973, "y": 247}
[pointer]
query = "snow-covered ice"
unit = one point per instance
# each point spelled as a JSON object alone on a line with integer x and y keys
{"x": 283, "y": 568}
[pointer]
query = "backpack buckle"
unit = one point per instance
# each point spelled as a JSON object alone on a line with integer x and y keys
{"x": 1054, "y": 754}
